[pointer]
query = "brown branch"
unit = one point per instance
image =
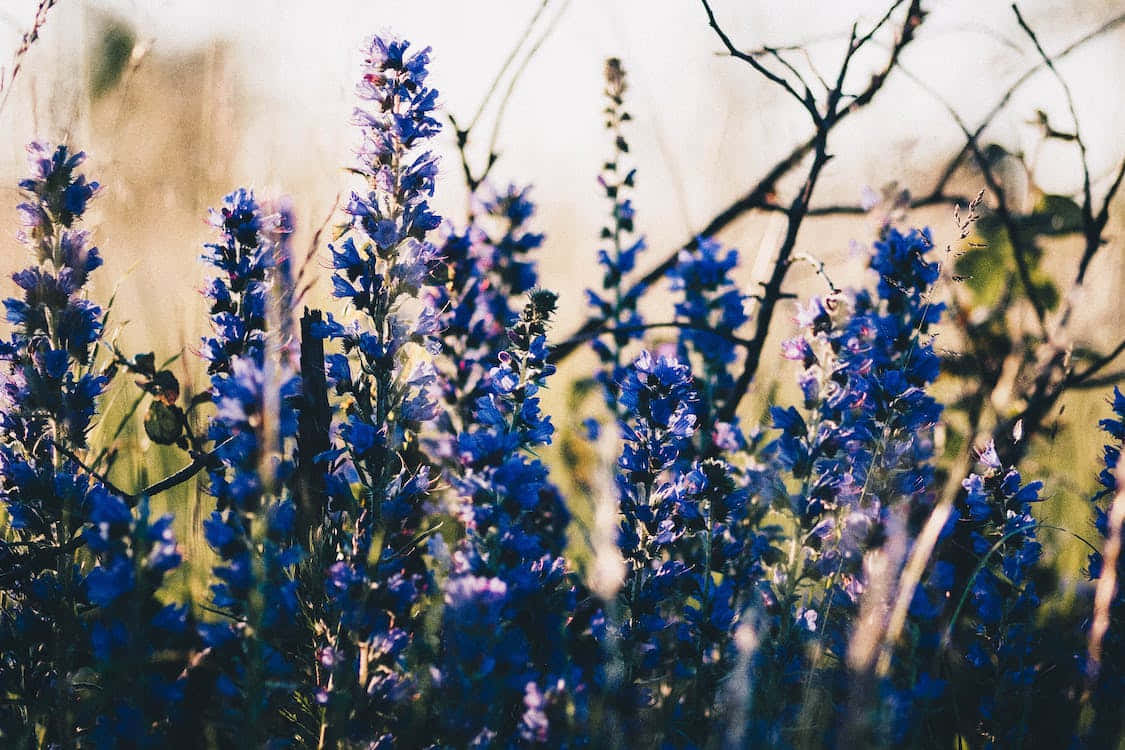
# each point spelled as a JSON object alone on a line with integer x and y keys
{"x": 1076, "y": 379}
{"x": 806, "y": 99}
{"x": 799, "y": 207}
{"x": 844, "y": 209}
{"x": 1094, "y": 231}
{"x": 1019, "y": 252}
{"x": 474, "y": 180}
{"x": 511, "y": 58}
{"x": 760, "y": 195}
{"x": 582, "y": 338}
{"x": 955, "y": 162}
{"x": 200, "y": 462}
{"x": 502, "y": 108}
{"x": 1097, "y": 226}
{"x": 89, "y": 470}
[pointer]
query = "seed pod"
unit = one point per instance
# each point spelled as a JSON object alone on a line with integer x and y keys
{"x": 164, "y": 423}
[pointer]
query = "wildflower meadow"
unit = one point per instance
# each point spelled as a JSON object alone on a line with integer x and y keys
{"x": 767, "y": 515}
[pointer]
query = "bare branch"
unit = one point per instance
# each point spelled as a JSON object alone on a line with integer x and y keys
{"x": 92, "y": 472}
{"x": 507, "y": 64}
{"x": 1079, "y": 378}
{"x": 1087, "y": 200}
{"x": 758, "y": 197}
{"x": 493, "y": 155}
{"x": 1097, "y": 225}
{"x": 955, "y": 162}
{"x": 1019, "y": 252}
{"x": 199, "y": 463}
{"x": 799, "y": 207}
{"x": 582, "y": 338}
{"x": 805, "y": 99}
{"x": 474, "y": 180}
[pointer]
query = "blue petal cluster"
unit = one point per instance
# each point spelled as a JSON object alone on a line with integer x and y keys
{"x": 711, "y": 309}
{"x": 509, "y": 597}
{"x": 993, "y": 550}
{"x": 242, "y": 256}
{"x": 253, "y": 429}
{"x": 140, "y": 700}
{"x": 858, "y": 452}
{"x": 486, "y": 268}
{"x": 49, "y": 389}
{"x": 383, "y": 269}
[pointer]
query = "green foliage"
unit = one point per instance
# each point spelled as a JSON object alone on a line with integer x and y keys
{"x": 114, "y": 50}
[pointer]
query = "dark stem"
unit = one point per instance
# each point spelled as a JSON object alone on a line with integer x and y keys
{"x": 312, "y": 428}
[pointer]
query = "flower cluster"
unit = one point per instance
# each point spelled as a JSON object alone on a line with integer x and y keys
{"x": 858, "y": 454}
{"x": 253, "y": 428}
{"x": 394, "y": 563}
{"x": 988, "y": 561}
{"x": 132, "y": 626}
{"x": 508, "y": 596}
{"x": 485, "y": 269}
{"x": 390, "y": 387}
{"x": 49, "y": 388}
{"x": 711, "y": 309}
{"x": 238, "y": 293}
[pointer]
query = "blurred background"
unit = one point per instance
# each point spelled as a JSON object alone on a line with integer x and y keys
{"x": 177, "y": 102}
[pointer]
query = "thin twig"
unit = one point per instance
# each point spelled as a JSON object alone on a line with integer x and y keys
{"x": 1019, "y": 252}
{"x": 29, "y": 38}
{"x": 998, "y": 107}
{"x": 805, "y": 99}
{"x": 463, "y": 134}
{"x": 200, "y": 462}
{"x": 1079, "y": 378}
{"x": 582, "y": 338}
{"x": 503, "y": 106}
{"x": 507, "y": 64}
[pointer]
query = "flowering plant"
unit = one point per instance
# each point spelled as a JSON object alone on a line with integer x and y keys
{"x": 398, "y": 560}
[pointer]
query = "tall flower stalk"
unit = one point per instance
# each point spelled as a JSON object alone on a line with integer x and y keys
{"x": 251, "y": 529}
{"x": 859, "y": 455}
{"x": 49, "y": 390}
{"x": 712, "y": 309}
{"x": 486, "y": 269}
{"x": 613, "y": 303}
{"x": 389, "y": 387}
{"x": 506, "y": 668}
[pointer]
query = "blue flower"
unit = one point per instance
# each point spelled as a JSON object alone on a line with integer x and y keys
{"x": 712, "y": 309}
{"x": 508, "y": 599}
{"x": 242, "y": 257}
{"x": 384, "y": 267}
